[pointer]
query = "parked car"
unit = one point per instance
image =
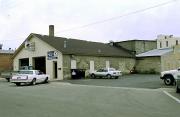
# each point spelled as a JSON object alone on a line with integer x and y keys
{"x": 170, "y": 76}
{"x": 29, "y": 77}
{"x": 106, "y": 72}
{"x": 178, "y": 84}
{"x": 8, "y": 74}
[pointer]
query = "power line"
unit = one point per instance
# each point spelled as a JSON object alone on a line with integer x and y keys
{"x": 118, "y": 17}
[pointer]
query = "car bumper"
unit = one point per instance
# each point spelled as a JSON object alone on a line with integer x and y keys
{"x": 20, "y": 80}
{"x": 161, "y": 77}
{"x": 178, "y": 82}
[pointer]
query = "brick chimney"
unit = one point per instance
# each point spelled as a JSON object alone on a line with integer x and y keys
{"x": 1, "y": 46}
{"x": 51, "y": 30}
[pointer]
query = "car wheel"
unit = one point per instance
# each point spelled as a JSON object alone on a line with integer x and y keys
{"x": 93, "y": 76}
{"x": 109, "y": 76}
{"x": 168, "y": 80}
{"x": 33, "y": 82}
{"x": 18, "y": 84}
{"x": 46, "y": 80}
{"x": 8, "y": 79}
{"x": 177, "y": 89}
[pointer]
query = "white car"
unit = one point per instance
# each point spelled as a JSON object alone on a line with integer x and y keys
{"x": 106, "y": 72}
{"x": 170, "y": 76}
{"x": 29, "y": 76}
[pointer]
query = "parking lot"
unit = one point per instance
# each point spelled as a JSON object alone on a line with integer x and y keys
{"x": 133, "y": 80}
{"x": 131, "y": 95}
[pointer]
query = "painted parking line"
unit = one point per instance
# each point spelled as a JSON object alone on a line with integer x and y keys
{"x": 95, "y": 86}
{"x": 171, "y": 96}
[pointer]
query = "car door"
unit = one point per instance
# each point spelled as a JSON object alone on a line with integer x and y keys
{"x": 39, "y": 76}
{"x": 99, "y": 72}
{"x": 104, "y": 72}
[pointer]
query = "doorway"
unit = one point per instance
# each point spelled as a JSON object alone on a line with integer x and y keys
{"x": 23, "y": 62}
{"x": 39, "y": 63}
{"x": 55, "y": 69}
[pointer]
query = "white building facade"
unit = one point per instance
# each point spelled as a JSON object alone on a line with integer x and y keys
{"x": 167, "y": 41}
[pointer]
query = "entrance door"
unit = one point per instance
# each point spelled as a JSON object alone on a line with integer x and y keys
{"x": 40, "y": 63}
{"x": 23, "y": 62}
{"x": 73, "y": 64}
{"x": 55, "y": 69}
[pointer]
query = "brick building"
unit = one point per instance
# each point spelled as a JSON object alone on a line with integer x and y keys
{"x": 5, "y": 59}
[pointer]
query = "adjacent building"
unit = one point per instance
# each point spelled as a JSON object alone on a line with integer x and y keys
{"x": 138, "y": 46}
{"x": 165, "y": 57}
{"x": 57, "y": 56}
{"x": 5, "y": 59}
{"x": 167, "y": 41}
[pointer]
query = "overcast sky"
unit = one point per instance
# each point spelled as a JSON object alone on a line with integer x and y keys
{"x": 19, "y": 18}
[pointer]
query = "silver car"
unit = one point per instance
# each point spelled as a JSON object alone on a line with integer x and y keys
{"x": 106, "y": 72}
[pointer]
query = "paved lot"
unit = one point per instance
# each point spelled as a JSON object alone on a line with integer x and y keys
{"x": 78, "y": 100}
{"x": 134, "y": 81}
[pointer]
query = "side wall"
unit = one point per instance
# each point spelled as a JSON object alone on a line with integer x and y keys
{"x": 5, "y": 62}
{"x": 139, "y": 46}
{"x": 144, "y": 46}
{"x": 171, "y": 60}
{"x": 83, "y": 62}
{"x": 148, "y": 64}
{"x": 41, "y": 49}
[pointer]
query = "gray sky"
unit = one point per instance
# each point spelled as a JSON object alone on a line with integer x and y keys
{"x": 19, "y": 18}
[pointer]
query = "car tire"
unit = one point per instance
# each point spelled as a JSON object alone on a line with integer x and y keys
{"x": 18, "y": 84}
{"x": 8, "y": 79}
{"x": 46, "y": 80}
{"x": 33, "y": 82}
{"x": 116, "y": 77}
{"x": 108, "y": 76}
{"x": 93, "y": 76}
{"x": 177, "y": 89}
{"x": 168, "y": 80}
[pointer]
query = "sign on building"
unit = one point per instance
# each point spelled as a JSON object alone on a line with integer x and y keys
{"x": 52, "y": 55}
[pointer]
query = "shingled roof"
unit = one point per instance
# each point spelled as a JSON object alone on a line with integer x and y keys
{"x": 81, "y": 47}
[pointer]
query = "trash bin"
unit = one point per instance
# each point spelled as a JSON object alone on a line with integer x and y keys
{"x": 77, "y": 73}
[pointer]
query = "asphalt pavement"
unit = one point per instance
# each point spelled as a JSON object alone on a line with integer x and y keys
{"x": 149, "y": 81}
{"x": 64, "y": 99}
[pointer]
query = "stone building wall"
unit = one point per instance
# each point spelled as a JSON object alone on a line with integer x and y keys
{"x": 148, "y": 65}
{"x": 138, "y": 46}
{"x": 171, "y": 60}
{"x": 83, "y": 62}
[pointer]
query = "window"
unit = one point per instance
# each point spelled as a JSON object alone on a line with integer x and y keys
{"x": 25, "y": 72}
{"x": 160, "y": 45}
{"x": 176, "y": 42}
{"x": 166, "y": 43}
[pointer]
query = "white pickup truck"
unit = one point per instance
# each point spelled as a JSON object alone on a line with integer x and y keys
{"x": 29, "y": 76}
{"x": 170, "y": 76}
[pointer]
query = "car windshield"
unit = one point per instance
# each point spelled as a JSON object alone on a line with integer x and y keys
{"x": 25, "y": 72}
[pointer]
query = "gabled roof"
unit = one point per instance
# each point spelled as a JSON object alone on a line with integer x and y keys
{"x": 155, "y": 52}
{"x": 81, "y": 47}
